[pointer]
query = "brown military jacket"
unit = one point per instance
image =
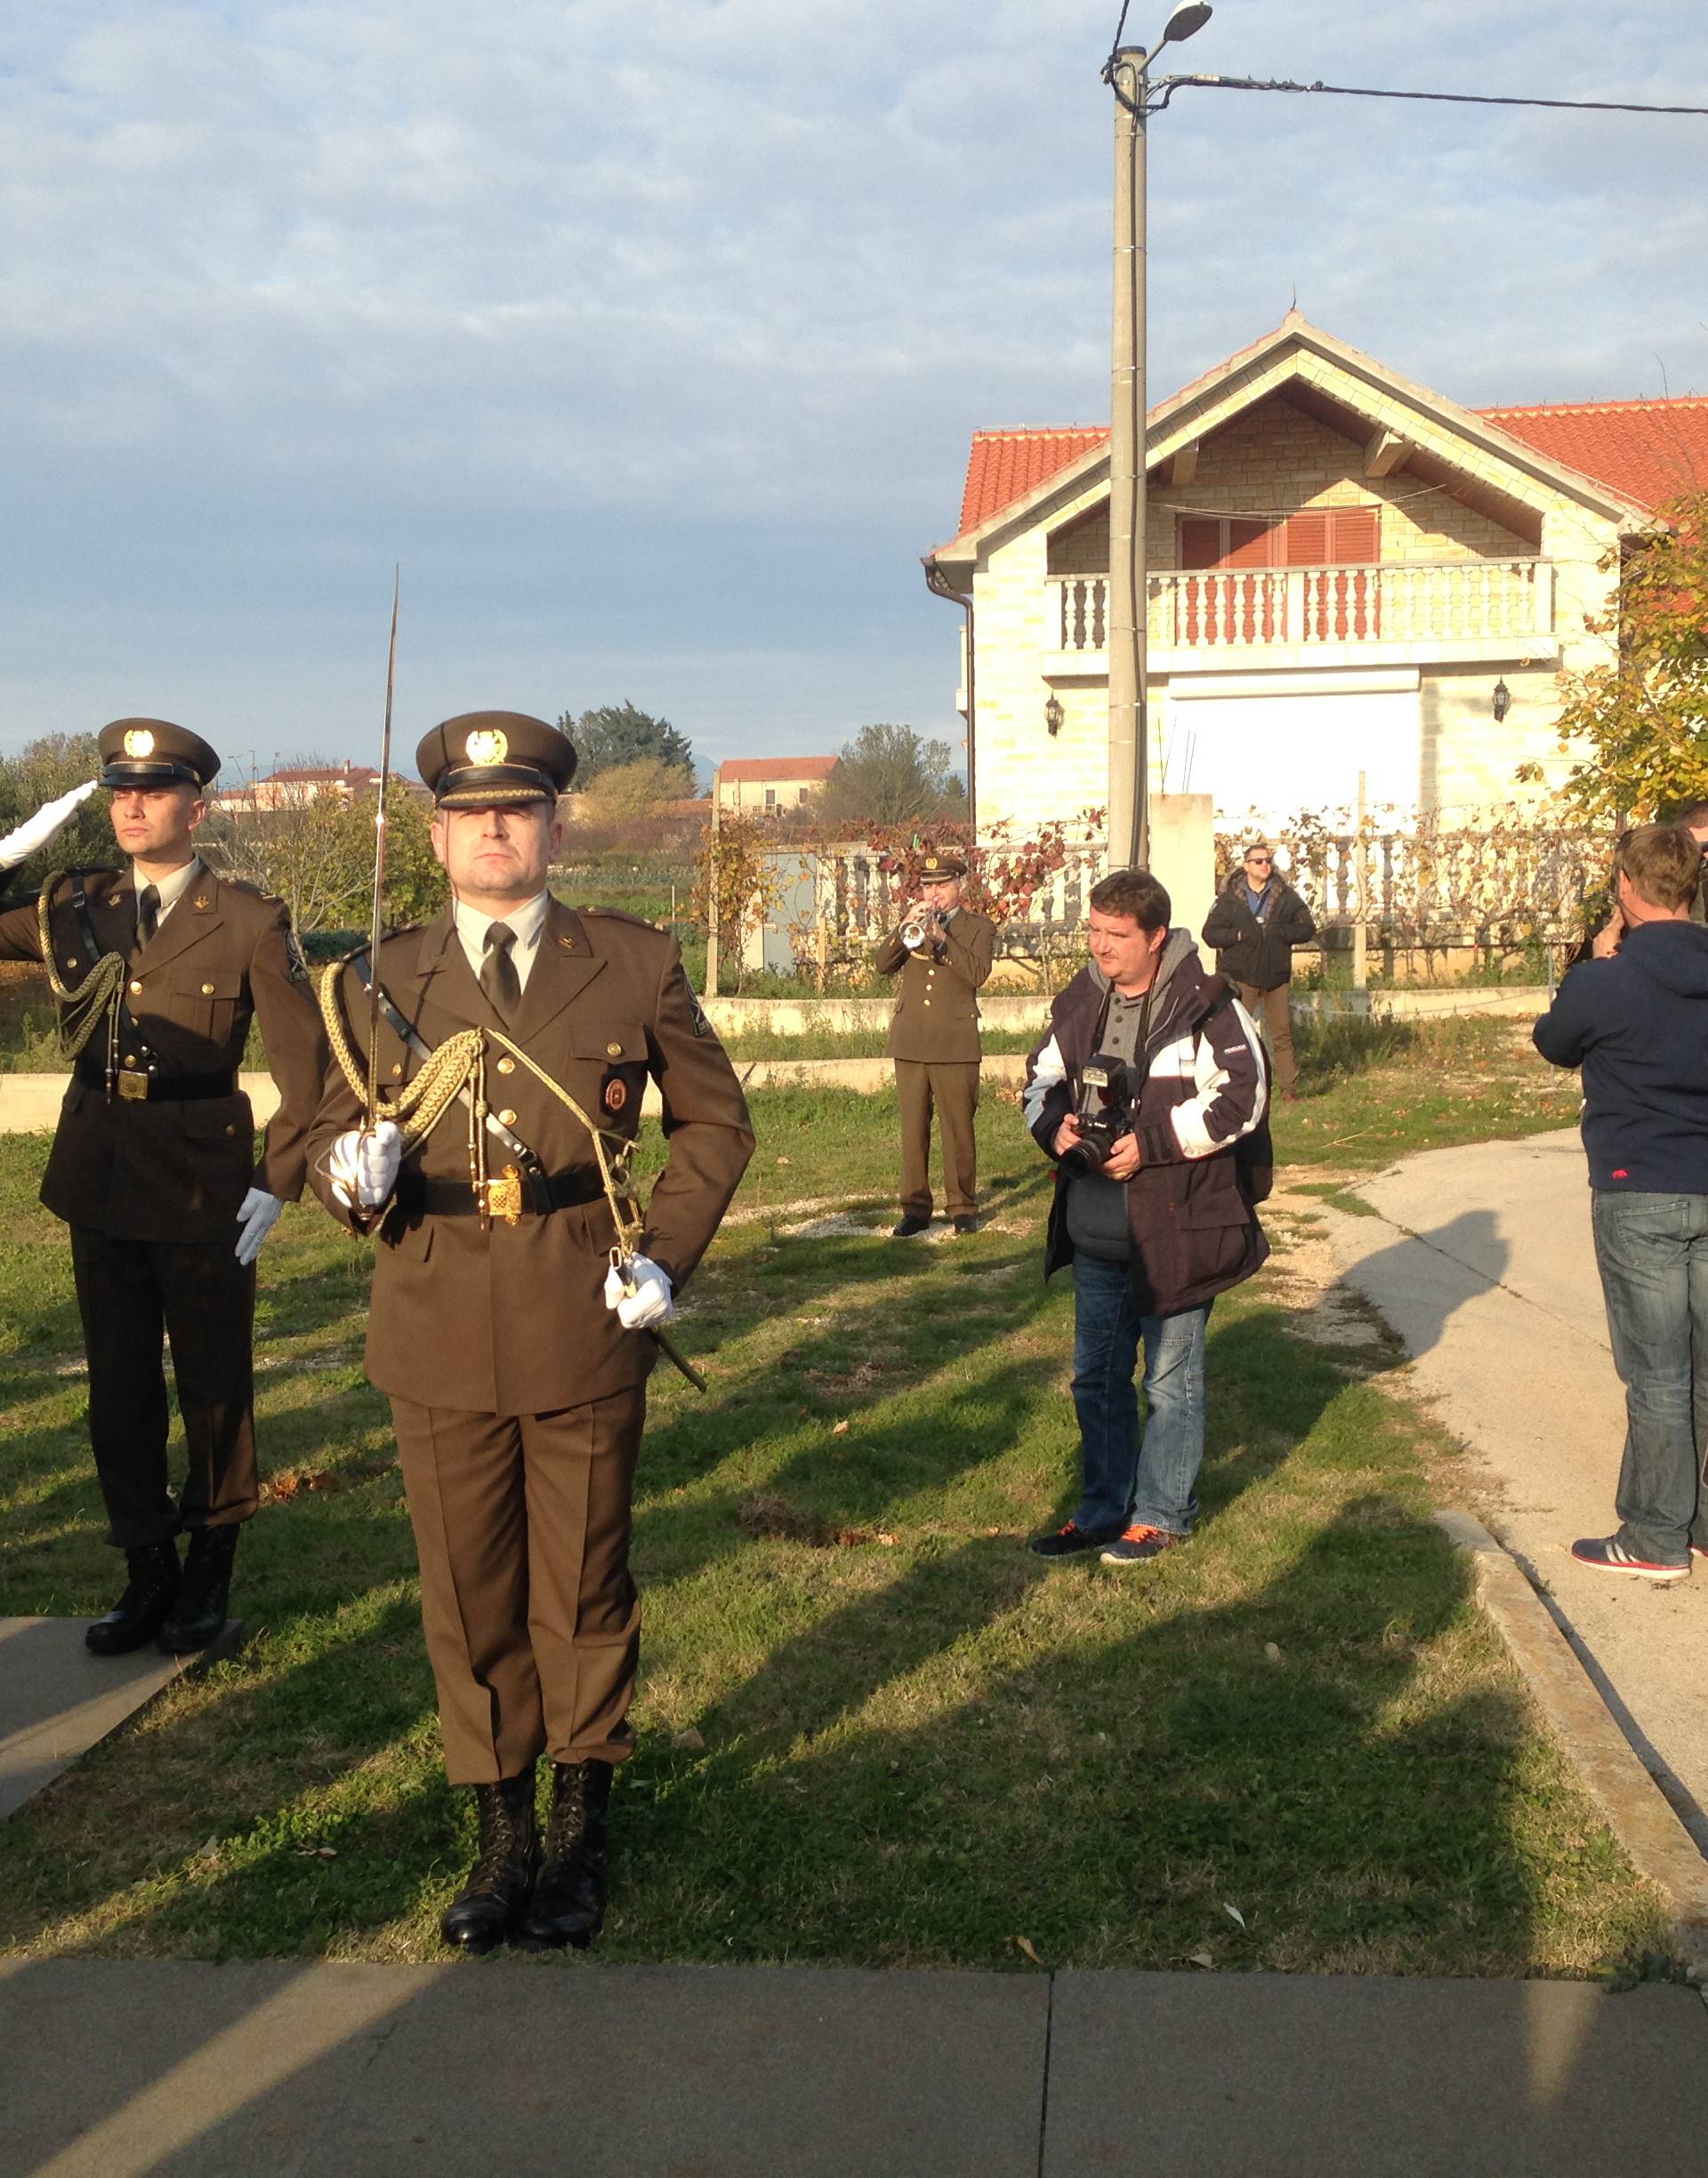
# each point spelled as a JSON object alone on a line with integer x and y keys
{"x": 161, "y": 1169}
{"x": 512, "y": 1318}
{"x": 936, "y": 1009}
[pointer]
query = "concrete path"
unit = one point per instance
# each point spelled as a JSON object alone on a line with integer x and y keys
{"x": 57, "y": 1700}
{"x": 1481, "y": 1258}
{"x": 116, "y": 2069}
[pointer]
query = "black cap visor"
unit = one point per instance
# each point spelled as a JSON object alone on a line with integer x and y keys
{"x": 493, "y": 786}
{"x": 158, "y": 772}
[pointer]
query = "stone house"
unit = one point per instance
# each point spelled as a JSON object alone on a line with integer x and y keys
{"x": 1345, "y": 572}
{"x": 769, "y": 785}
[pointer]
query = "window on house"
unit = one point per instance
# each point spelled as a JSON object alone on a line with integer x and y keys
{"x": 1320, "y": 536}
{"x": 771, "y": 797}
{"x": 803, "y": 794}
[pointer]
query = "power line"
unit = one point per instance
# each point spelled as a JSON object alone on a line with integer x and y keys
{"x": 1169, "y": 85}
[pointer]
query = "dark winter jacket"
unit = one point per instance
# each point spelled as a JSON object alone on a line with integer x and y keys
{"x": 1202, "y": 1126}
{"x": 1257, "y": 949}
{"x": 1638, "y": 1026}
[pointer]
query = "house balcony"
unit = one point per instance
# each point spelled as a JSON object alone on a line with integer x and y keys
{"x": 1407, "y": 614}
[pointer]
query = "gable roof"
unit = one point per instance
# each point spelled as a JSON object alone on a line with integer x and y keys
{"x": 1006, "y": 465}
{"x": 1642, "y": 452}
{"x": 1651, "y": 450}
{"x": 750, "y": 769}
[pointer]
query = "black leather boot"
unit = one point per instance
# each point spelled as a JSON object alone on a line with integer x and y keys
{"x": 198, "y": 1616}
{"x": 490, "y": 1903}
{"x": 569, "y": 1903}
{"x": 142, "y": 1610}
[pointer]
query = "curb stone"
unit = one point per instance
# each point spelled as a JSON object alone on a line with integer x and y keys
{"x": 1637, "y": 1811}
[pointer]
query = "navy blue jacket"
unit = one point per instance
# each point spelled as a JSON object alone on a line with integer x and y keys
{"x": 1638, "y": 1026}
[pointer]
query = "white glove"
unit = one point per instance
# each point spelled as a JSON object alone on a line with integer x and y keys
{"x": 912, "y": 940}
{"x": 640, "y": 1293}
{"x": 18, "y": 846}
{"x": 363, "y": 1163}
{"x": 257, "y": 1214}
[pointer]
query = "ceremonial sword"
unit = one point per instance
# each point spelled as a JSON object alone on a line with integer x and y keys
{"x": 375, "y": 924}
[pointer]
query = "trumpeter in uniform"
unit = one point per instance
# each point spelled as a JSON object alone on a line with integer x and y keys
{"x": 158, "y": 970}
{"x": 516, "y": 1283}
{"x": 942, "y": 950}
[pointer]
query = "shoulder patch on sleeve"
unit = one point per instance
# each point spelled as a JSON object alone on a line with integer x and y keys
{"x": 697, "y": 1014}
{"x": 294, "y": 953}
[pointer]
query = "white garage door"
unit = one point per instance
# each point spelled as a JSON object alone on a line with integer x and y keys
{"x": 1279, "y": 754}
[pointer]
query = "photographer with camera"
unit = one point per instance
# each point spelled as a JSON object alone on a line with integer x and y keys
{"x": 943, "y": 952}
{"x": 1150, "y": 1093}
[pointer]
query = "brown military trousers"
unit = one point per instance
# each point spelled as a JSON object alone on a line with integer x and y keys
{"x": 532, "y": 1623}
{"x": 205, "y": 1299}
{"x": 951, "y": 1087}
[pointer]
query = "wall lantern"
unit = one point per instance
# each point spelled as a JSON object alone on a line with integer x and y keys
{"x": 1503, "y": 701}
{"x": 1053, "y": 713}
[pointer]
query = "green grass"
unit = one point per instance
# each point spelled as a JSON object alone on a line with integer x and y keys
{"x": 872, "y": 1727}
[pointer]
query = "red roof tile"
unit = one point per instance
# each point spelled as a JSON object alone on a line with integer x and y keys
{"x": 1649, "y": 451}
{"x": 753, "y": 768}
{"x": 1007, "y": 464}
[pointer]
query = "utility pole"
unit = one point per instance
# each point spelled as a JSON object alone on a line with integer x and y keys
{"x": 1129, "y": 824}
{"x": 1124, "y": 72}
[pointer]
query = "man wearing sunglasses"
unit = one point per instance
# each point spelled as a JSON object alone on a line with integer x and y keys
{"x": 1255, "y": 924}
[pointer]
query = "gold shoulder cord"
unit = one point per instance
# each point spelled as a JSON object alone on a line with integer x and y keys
{"x": 82, "y": 1009}
{"x": 457, "y": 1064}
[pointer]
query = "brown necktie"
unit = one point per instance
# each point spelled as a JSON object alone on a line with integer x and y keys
{"x": 148, "y": 913}
{"x": 498, "y": 977}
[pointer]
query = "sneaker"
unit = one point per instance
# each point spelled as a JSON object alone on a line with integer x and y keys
{"x": 1698, "y": 1550}
{"x": 1138, "y": 1543}
{"x": 908, "y": 1226}
{"x": 1609, "y": 1554}
{"x": 1063, "y": 1542}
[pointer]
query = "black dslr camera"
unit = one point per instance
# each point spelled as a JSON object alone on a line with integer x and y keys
{"x": 1104, "y": 1112}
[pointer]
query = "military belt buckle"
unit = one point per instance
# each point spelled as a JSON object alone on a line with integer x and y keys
{"x": 132, "y": 1087}
{"x": 505, "y": 1197}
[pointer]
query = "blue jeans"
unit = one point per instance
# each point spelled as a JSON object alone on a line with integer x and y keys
{"x": 1652, "y": 1250}
{"x": 1126, "y": 1486}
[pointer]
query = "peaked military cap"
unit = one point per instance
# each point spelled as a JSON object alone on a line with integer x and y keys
{"x": 149, "y": 751}
{"x": 485, "y": 759}
{"x": 933, "y": 867}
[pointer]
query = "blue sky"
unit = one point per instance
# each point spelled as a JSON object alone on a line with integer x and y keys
{"x": 649, "y": 339}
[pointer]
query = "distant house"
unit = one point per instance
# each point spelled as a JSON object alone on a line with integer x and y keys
{"x": 292, "y": 786}
{"x": 767, "y": 786}
{"x": 1345, "y": 572}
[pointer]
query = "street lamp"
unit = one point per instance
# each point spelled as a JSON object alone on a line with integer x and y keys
{"x": 1129, "y": 757}
{"x": 1053, "y": 715}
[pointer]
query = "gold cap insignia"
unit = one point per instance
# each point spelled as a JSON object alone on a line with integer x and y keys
{"x": 487, "y": 745}
{"x": 138, "y": 742}
{"x": 931, "y": 862}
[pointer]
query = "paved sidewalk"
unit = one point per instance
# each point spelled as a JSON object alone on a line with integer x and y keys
{"x": 57, "y": 1700}
{"x": 1481, "y": 1258}
{"x": 116, "y": 2069}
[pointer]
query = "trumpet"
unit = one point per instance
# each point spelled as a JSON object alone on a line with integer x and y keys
{"x": 922, "y": 925}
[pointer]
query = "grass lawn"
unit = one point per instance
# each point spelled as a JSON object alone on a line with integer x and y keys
{"x": 873, "y": 1728}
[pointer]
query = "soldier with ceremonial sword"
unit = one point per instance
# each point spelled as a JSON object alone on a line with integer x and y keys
{"x": 479, "y": 1114}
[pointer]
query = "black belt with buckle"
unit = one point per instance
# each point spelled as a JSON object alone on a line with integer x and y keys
{"x": 131, "y": 1083}
{"x": 527, "y": 1194}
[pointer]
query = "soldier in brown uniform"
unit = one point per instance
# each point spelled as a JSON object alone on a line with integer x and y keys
{"x": 509, "y": 1312}
{"x": 158, "y": 970}
{"x": 943, "y": 952}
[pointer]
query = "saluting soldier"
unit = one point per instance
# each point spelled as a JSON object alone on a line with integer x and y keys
{"x": 513, "y": 1293}
{"x": 158, "y": 970}
{"x": 943, "y": 951}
